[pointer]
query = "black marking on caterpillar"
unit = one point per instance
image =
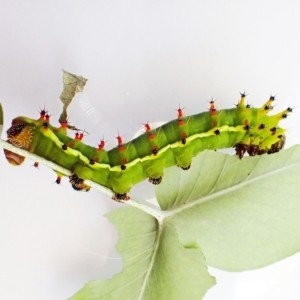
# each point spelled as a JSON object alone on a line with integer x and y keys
{"x": 248, "y": 129}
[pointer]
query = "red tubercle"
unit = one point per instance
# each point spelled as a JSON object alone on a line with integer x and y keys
{"x": 215, "y": 123}
{"x": 212, "y": 108}
{"x": 179, "y": 112}
{"x": 151, "y": 135}
{"x": 180, "y": 116}
{"x": 64, "y": 125}
{"x": 58, "y": 179}
{"x": 147, "y": 127}
{"x": 213, "y": 112}
{"x": 79, "y": 136}
{"x": 44, "y": 117}
{"x": 101, "y": 145}
{"x": 36, "y": 164}
{"x": 43, "y": 113}
{"x": 246, "y": 122}
{"x": 212, "y": 105}
{"x": 183, "y": 135}
{"x": 124, "y": 160}
{"x": 120, "y": 143}
{"x": 119, "y": 139}
{"x": 71, "y": 145}
{"x": 180, "y": 122}
{"x": 47, "y": 118}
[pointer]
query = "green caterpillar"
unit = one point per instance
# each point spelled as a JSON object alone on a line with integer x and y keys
{"x": 245, "y": 128}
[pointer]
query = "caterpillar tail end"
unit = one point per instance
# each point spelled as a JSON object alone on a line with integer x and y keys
{"x": 276, "y": 147}
{"x": 253, "y": 150}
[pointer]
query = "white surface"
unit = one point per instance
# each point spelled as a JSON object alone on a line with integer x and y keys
{"x": 142, "y": 59}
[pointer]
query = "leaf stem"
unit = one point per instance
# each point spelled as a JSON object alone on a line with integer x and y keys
{"x": 157, "y": 213}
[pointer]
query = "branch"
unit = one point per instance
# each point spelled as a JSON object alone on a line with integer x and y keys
{"x": 158, "y": 214}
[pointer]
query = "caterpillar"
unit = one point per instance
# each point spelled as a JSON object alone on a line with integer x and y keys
{"x": 247, "y": 129}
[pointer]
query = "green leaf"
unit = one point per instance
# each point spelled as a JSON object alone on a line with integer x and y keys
{"x": 244, "y": 214}
{"x": 156, "y": 265}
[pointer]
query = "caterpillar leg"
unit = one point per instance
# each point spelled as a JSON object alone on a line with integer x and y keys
{"x": 155, "y": 180}
{"x": 183, "y": 155}
{"x": 118, "y": 197}
{"x": 78, "y": 183}
{"x": 240, "y": 150}
{"x": 185, "y": 167}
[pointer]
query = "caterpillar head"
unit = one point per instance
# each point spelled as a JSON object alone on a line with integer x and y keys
{"x": 20, "y": 135}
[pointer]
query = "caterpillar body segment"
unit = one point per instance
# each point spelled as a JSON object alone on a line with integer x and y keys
{"x": 245, "y": 128}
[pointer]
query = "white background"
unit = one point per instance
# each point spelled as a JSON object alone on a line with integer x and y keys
{"x": 143, "y": 59}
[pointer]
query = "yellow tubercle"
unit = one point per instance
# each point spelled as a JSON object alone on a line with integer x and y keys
{"x": 242, "y": 101}
{"x": 283, "y": 114}
{"x": 267, "y": 107}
